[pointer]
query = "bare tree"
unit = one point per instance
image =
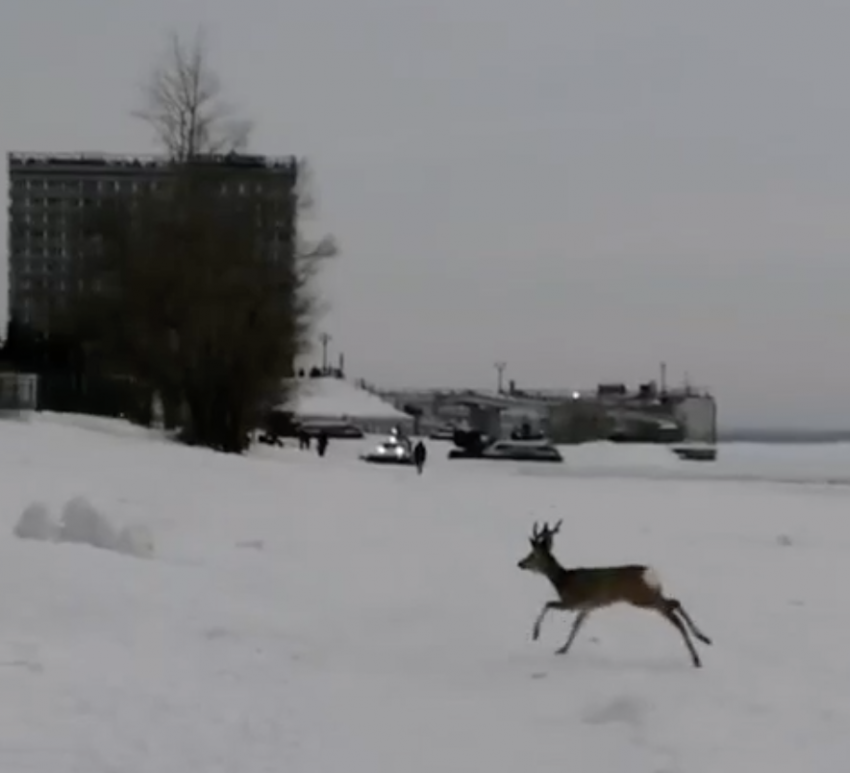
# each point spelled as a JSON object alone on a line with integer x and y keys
{"x": 184, "y": 104}
{"x": 206, "y": 283}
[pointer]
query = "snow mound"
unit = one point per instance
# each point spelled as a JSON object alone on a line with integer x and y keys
{"x": 326, "y": 398}
{"x": 83, "y": 523}
{"x": 35, "y": 523}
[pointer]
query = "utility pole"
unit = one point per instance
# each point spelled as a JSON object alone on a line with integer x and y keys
{"x": 325, "y": 338}
{"x": 500, "y": 369}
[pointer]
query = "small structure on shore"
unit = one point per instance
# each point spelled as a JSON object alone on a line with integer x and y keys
{"x": 332, "y": 401}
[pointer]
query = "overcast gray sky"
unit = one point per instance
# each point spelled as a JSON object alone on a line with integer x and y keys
{"x": 581, "y": 189}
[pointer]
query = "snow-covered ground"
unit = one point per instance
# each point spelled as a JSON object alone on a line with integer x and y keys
{"x": 318, "y": 615}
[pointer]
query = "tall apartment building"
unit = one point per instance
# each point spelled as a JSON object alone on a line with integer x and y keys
{"x": 49, "y": 195}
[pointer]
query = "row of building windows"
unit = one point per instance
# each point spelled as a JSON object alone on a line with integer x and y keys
{"x": 29, "y": 257}
{"x": 43, "y": 288}
{"x": 50, "y": 185}
{"x": 40, "y": 265}
{"x": 41, "y": 207}
{"x": 50, "y": 190}
{"x": 41, "y": 228}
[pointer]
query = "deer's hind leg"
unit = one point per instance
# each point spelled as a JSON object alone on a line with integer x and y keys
{"x": 666, "y": 611}
{"x": 676, "y": 607}
{"x": 650, "y": 596}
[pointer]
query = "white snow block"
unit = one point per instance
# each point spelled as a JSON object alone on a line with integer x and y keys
{"x": 35, "y": 523}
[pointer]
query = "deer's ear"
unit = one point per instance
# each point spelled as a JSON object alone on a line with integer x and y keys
{"x": 532, "y": 542}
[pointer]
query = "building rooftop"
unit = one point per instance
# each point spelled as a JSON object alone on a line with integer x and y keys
{"x": 23, "y": 159}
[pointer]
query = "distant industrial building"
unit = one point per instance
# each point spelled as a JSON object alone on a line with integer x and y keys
{"x": 49, "y": 194}
{"x": 648, "y": 414}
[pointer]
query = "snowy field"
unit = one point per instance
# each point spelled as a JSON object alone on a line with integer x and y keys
{"x": 320, "y": 615}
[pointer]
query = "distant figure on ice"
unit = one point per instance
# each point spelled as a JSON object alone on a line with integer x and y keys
{"x": 322, "y": 443}
{"x": 420, "y": 454}
{"x": 303, "y": 439}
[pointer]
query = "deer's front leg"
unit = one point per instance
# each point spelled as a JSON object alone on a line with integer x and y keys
{"x": 577, "y": 624}
{"x": 535, "y": 633}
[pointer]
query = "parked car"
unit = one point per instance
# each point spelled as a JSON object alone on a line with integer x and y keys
{"x": 394, "y": 450}
{"x": 472, "y": 445}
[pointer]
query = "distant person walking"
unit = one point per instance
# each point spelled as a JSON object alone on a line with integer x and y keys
{"x": 303, "y": 439}
{"x": 322, "y": 443}
{"x": 420, "y": 454}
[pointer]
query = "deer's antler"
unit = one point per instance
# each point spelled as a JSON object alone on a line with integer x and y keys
{"x": 547, "y": 531}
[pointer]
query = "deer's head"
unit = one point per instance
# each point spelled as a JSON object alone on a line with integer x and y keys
{"x": 541, "y": 548}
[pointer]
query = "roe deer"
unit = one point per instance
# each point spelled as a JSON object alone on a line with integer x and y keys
{"x": 584, "y": 589}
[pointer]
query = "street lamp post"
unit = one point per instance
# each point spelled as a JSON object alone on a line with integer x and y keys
{"x": 325, "y": 339}
{"x": 500, "y": 369}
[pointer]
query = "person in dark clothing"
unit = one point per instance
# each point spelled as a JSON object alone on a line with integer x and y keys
{"x": 420, "y": 453}
{"x": 322, "y": 443}
{"x": 303, "y": 439}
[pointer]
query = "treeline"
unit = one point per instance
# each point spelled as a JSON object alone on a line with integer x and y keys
{"x": 196, "y": 289}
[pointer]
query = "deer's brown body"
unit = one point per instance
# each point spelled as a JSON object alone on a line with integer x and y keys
{"x": 584, "y": 589}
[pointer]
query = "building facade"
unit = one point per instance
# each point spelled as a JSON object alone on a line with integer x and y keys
{"x": 50, "y": 195}
{"x": 566, "y": 416}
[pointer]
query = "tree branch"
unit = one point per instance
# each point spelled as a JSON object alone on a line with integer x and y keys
{"x": 185, "y": 107}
